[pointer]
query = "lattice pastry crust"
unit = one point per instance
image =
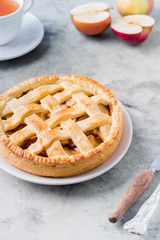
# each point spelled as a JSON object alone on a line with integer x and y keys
{"x": 58, "y": 126}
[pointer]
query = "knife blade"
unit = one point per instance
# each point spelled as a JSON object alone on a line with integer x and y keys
{"x": 155, "y": 165}
{"x": 135, "y": 191}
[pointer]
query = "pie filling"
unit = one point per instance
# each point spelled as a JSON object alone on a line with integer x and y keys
{"x": 58, "y": 119}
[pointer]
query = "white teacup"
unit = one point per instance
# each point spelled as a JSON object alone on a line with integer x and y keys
{"x": 10, "y": 24}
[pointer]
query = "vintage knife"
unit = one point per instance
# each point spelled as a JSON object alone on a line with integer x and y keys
{"x": 138, "y": 224}
{"x": 135, "y": 191}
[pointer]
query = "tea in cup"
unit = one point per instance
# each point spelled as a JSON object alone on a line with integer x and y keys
{"x": 11, "y": 15}
{"x": 8, "y": 7}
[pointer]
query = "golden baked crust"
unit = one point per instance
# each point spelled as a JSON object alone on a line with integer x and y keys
{"x": 58, "y": 126}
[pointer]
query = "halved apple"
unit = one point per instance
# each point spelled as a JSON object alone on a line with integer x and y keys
{"x": 133, "y": 29}
{"x": 92, "y": 18}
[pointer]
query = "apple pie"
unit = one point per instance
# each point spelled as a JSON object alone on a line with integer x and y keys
{"x": 58, "y": 126}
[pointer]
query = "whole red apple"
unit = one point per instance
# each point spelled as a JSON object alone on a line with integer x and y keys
{"x": 130, "y": 7}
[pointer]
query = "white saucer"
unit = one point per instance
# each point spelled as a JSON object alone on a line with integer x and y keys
{"x": 28, "y": 38}
{"x": 111, "y": 162}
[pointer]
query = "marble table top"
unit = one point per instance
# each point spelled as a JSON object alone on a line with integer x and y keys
{"x": 30, "y": 211}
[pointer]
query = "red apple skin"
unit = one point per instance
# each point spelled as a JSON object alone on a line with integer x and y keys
{"x": 134, "y": 38}
{"x": 91, "y": 29}
{"x": 150, "y": 3}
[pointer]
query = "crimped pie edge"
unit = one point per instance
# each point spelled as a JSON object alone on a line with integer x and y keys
{"x": 32, "y": 83}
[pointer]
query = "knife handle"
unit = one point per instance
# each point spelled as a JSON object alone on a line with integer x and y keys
{"x": 138, "y": 224}
{"x": 132, "y": 194}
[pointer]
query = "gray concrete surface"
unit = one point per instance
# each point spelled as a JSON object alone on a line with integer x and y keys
{"x": 78, "y": 212}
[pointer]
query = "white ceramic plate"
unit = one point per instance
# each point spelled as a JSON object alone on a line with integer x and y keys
{"x": 28, "y": 38}
{"x": 111, "y": 162}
